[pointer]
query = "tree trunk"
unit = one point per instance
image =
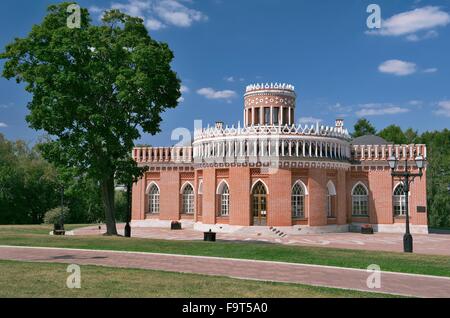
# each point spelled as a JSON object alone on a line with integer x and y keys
{"x": 108, "y": 200}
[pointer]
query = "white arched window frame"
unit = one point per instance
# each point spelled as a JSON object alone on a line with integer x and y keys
{"x": 360, "y": 200}
{"x": 399, "y": 200}
{"x": 298, "y": 194}
{"x": 331, "y": 192}
{"x": 187, "y": 192}
{"x": 200, "y": 187}
{"x": 223, "y": 191}
{"x": 153, "y": 198}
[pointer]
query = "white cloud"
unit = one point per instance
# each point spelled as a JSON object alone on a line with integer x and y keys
{"x": 443, "y": 108}
{"x": 415, "y": 102}
{"x": 175, "y": 13}
{"x": 232, "y": 79}
{"x": 136, "y": 8}
{"x": 309, "y": 120}
{"x": 410, "y": 22}
{"x": 154, "y": 24}
{"x": 379, "y": 109}
{"x": 430, "y": 70}
{"x": 159, "y": 14}
{"x": 95, "y": 9}
{"x": 3, "y": 125}
{"x": 416, "y": 38}
{"x": 184, "y": 89}
{"x": 180, "y": 100}
{"x": 339, "y": 108}
{"x": 210, "y": 93}
{"x": 397, "y": 67}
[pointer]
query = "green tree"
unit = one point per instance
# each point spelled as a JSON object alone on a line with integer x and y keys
{"x": 412, "y": 137}
{"x": 363, "y": 127}
{"x": 438, "y": 176}
{"x": 93, "y": 88}
{"x": 393, "y": 133}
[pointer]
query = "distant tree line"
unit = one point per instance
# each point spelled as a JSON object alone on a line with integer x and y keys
{"x": 438, "y": 169}
{"x": 30, "y": 186}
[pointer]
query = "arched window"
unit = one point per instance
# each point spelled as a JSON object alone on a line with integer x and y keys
{"x": 224, "y": 201}
{"x": 360, "y": 200}
{"x": 399, "y": 200}
{"x": 331, "y": 195}
{"x": 153, "y": 199}
{"x": 188, "y": 199}
{"x": 298, "y": 200}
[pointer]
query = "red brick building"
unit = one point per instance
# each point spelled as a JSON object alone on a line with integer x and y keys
{"x": 272, "y": 172}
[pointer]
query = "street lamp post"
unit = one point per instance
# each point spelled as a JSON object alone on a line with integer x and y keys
{"x": 408, "y": 177}
{"x": 61, "y": 216}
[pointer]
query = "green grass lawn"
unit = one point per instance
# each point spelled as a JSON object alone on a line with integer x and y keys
{"x": 388, "y": 261}
{"x": 35, "y": 228}
{"x": 22, "y": 279}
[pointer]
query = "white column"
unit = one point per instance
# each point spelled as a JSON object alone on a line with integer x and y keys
{"x": 281, "y": 116}
{"x": 289, "y": 116}
{"x": 297, "y": 144}
{"x": 271, "y": 115}
{"x": 261, "y": 116}
{"x": 304, "y": 149}
{"x": 310, "y": 149}
{"x": 253, "y": 116}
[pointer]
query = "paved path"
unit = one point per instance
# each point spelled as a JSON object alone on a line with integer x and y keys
{"x": 394, "y": 283}
{"x": 433, "y": 244}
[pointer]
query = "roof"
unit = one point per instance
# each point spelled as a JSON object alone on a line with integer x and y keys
{"x": 370, "y": 140}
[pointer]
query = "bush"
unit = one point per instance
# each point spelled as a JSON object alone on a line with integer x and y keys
{"x": 54, "y": 215}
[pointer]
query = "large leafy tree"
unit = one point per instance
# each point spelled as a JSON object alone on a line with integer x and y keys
{"x": 438, "y": 176}
{"x": 393, "y": 133}
{"x": 93, "y": 88}
{"x": 363, "y": 127}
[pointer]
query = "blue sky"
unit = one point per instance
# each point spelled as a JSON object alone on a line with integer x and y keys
{"x": 399, "y": 74}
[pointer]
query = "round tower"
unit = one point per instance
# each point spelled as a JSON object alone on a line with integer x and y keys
{"x": 269, "y": 104}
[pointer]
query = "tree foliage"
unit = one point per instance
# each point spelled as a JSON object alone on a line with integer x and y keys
{"x": 93, "y": 88}
{"x": 30, "y": 186}
{"x": 363, "y": 127}
{"x": 394, "y": 134}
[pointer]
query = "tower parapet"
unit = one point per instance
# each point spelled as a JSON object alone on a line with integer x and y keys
{"x": 269, "y": 104}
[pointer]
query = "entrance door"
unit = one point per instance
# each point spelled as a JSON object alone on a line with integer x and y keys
{"x": 259, "y": 195}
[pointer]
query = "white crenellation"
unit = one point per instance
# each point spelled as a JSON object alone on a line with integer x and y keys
{"x": 270, "y": 86}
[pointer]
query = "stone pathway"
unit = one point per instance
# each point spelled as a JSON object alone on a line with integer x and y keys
{"x": 432, "y": 244}
{"x": 393, "y": 283}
